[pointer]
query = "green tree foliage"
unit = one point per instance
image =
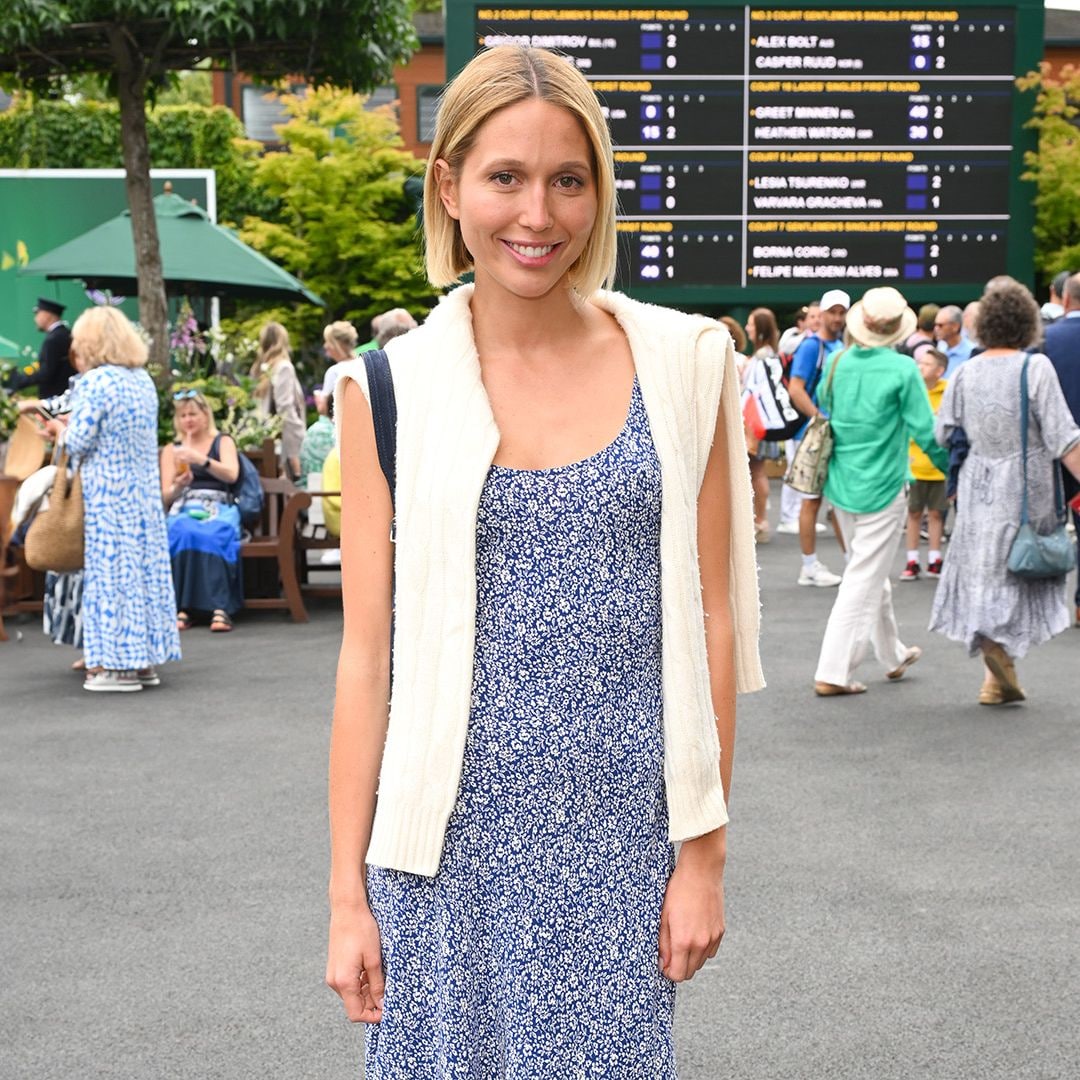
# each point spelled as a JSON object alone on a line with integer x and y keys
{"x": 85, "y": 134}
{"x": 1055, "y": 167}
{"x": 187, "y": 88}
{"x": 137, "y": 43}
{"x": 345, "y": 223}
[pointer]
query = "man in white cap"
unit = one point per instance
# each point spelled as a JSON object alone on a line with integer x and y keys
{"x": 807, "y": 365}
{"x": 877, "y": 404}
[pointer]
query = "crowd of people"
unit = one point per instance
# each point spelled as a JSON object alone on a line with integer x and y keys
{"x": 925, "y": 412}
{"x": 880, "y": 393}
{"x": 573, "y": 603}
{"x": 162, "y": 527}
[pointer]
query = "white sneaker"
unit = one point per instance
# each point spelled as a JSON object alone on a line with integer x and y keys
{"x": 115, "y": 682}
{"x": 788, "y": 528}
{"x": 819, "y": 574}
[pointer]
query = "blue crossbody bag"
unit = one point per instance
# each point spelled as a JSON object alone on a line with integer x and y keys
{"x": 1032, "y": 554}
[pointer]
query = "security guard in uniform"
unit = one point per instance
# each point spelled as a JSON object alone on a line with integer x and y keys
{"x": 52, "y": 369}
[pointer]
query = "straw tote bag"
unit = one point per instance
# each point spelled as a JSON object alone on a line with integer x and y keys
{"x": 55, "y": 539}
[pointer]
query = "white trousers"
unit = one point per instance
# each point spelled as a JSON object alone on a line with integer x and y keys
{"x": 863, "y": 616}
{"x": 791, "y": 500}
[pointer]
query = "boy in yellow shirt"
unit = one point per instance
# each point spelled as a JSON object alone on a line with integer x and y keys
{"x": 927, "y": 491}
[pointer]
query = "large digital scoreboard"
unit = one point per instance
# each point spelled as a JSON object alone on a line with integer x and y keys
{"x": 768, "y": 153}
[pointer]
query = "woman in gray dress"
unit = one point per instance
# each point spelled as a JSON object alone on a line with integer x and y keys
{"x": 979, "y": 602}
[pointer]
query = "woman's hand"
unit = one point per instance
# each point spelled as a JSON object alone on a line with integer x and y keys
{"x": 187, "y": 456}
{"x": 692, "y": 918}
{"x": 354, "y": 963}
{"x": 55, "y": 427}
{"x": 182, "y": 480}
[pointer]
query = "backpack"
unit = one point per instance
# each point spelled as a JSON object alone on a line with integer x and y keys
{"x": 247, "y": 492}
{"x": 779, "y": 373}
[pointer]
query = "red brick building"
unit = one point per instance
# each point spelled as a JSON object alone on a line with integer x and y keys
{"x": 415, "y": 91}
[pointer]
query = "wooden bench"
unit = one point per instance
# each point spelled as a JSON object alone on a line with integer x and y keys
{"x": 21, "y": 589}
{"x": 275, "y": 556}
{"x": 281, "y": 536}
{"x": 9, "y": 567}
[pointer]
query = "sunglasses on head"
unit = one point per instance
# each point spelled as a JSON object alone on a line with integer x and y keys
{"x": 185, "y": 395}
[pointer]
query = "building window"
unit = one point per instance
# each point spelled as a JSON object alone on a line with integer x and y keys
{"x": 381, "y": 96}
{"x": 427, "y": 109}
{"x": 262, "y": 110}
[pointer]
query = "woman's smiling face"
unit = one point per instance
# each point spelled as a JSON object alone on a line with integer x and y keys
{"x": 525, "y": 198}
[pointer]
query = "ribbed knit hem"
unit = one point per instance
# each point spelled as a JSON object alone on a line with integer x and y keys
{"x": 407, "y": 838}
{"x": 749, "y": 675}
{"x": 691, "y": 814}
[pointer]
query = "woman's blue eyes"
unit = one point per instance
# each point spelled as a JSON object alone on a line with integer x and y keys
{"x": 568, "y": 182}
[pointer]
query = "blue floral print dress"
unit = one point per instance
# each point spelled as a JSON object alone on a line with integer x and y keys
{"x": 533, "y": 952}
{"x": 128, "y": 606}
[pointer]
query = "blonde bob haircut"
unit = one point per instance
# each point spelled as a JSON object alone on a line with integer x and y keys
{"x": 103, "y": 335}
{"x": 493, "y": 80}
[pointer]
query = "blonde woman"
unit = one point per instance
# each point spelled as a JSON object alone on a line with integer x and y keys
{"x": 128, "y": 605}
{"x": 339, "y": 344}
{"x": 278, "y": 392}
{"x": 555, "y": 725}
{"x": 197, "y": 474}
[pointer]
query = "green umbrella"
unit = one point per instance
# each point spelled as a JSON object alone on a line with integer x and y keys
{"x": 198, "y": 257}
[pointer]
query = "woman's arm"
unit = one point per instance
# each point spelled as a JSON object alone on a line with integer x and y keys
{"x": 227, "y": 469}
{"x": 169, "y": 487}
{"x": 692, "y": 920}
{"x": 1071, "y": 459}
{"x": 360, "y": 708}
{"x": 90, "y": 402}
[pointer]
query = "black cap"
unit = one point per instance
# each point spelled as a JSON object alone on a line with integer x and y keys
{"x": 52, "y": 306}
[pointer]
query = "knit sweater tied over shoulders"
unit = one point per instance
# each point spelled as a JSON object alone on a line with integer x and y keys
{"x": 446, "y": 441}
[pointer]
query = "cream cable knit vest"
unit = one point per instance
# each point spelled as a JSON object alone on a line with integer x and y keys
{"x": 446, "y": 440}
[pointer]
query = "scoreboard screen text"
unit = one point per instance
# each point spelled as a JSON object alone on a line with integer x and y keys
{"x": 787, "y": 150}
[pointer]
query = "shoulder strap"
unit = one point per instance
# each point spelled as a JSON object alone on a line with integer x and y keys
{"x": 827, "y": 388}
{"x": 819, "y": 367}
{"x": 384, "y": 414}
{"x": 1024, "y": 437}
{"x": 1059, "y": 490}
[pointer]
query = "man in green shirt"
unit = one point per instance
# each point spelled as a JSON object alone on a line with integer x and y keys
{"x": 877, "y": 404}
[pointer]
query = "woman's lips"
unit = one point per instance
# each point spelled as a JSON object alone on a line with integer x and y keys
{"x": 532, "y": 254}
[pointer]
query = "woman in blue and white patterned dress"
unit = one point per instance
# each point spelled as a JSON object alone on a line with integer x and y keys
{"x": 576, "y": 605}
{"x": 128, "y": 609}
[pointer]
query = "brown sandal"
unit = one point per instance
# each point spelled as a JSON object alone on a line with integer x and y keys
{"x": 828, "y": 689}
{"x": 910, "y": 657}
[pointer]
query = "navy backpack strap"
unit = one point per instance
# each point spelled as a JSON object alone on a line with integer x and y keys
{"x": 384, "y": 414}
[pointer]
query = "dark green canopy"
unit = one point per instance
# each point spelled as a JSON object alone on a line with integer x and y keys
{"x": 198, "y": 257}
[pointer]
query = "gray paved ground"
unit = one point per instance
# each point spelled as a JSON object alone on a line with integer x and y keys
{"x": 902, "y": 887}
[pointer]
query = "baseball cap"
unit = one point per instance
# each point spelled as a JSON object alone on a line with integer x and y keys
{"x": 834, "y": 297}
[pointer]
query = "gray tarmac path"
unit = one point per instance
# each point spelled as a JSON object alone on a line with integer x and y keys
{"x": 902, "y": 886}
